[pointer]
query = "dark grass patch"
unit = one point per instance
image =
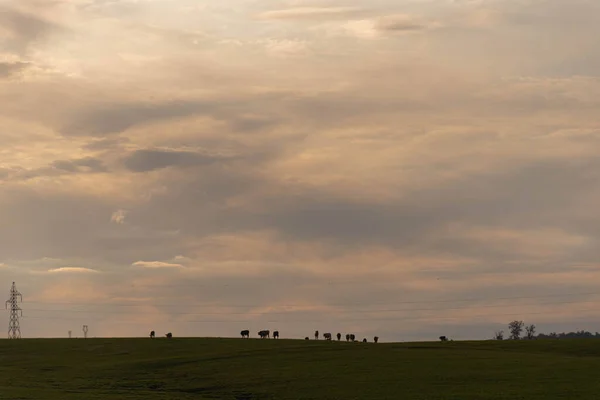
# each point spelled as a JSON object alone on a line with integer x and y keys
{"x": 234, "y": 369}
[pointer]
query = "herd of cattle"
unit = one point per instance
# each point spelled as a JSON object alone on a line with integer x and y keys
{"x": 266, "y": 334}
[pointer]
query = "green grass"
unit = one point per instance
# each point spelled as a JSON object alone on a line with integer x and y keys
{"x": 286, "y": 369}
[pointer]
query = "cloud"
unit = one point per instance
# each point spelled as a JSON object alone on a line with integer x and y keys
{"x": 56, "y": 224}
{"x": 323, "y": 177}
{"x": 19, "y": 30}
{"x": 117, "y": 118}
{"x": 150, "y": 160}
{"x": 118, "y": 217}
{"x": 309, "y": 13}
{"x": 73, "y": 270}
{"x": 387, "y": 26}
{"x": 57, "y": 168}
{"x": 155, "y": 264}
{"x": 85, "y": 165}
{"x": 106, "y": 144}
{"x": 285, "y": 47}
{"x": 401, "y": 24}
{"x": 8, "y": 69}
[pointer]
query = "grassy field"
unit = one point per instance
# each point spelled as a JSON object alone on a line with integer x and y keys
{"x": 286, "y": 369}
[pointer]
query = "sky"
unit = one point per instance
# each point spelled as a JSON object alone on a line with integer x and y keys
{"x": 400, "y": 168}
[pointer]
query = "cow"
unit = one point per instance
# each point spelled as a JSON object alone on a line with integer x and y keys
{"x": 276, "y": 335}
{"x": 327, "y": 336}
{"x": 376, "y": 339}
{"x": 316, "y": 335}
{"x": 347, "y": 337}
{"x": 352, "y": 337}
{"x": 245, "y": 334}
{"x": 339, "y": 336}
{"x": 443, "y": 338}
{"x": 264, "y": 334}
{"x": 152, "y": 335}
{"x": 169, "y": 335}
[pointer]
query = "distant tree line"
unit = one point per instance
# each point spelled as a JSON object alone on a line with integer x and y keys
{"x": 516, "y": 328}
{"x": 569, "y": 335}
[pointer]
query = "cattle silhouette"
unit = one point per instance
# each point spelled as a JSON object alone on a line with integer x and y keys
{"x": 264, "y": 334}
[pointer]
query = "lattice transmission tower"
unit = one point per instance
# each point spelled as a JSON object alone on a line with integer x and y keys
{"x": 14, "y": 330}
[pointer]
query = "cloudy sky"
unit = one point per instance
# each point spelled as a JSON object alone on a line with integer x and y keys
{"x": 406, "y": 168}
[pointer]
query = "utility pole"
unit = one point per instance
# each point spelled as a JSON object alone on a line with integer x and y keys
{"x": 69, "y": 334}
{"x": 14, "y": 330}
{"x": 85, "y": 331}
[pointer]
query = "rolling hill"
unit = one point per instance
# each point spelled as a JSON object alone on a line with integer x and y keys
{"x": 198, "y": 368}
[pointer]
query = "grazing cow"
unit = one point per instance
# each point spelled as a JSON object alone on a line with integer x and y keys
{"x": 327, "y": 336}
{"x": 276, "y": 335}
{"x": 339, "y": 336}
{"x": 365, "y": 340}
{"x": 316, "y": 335}
{"x": 347, "y": 337}
{"x": 245, "y": 334}
{"x": 352, "y": 337}
{"x": 443, "y": 338}
{"x": 152, "y": 335}
{"x": 376, "y": 339}
{"x": 264, "y": 334}
{"x": 169, "y": 335}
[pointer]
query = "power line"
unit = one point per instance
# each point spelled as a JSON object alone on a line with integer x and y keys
{"x": 336, "y": 311}
{"x": 250, "y": 305}
{"x": 293, "y": 312}
{"x": 514, "y": 315}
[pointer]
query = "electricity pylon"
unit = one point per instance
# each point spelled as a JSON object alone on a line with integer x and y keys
{"x": 14, "y": 330}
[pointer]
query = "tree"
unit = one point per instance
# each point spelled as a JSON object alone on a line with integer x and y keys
{"x": 499, "y": 335}
{"x": 530, "y": 331}
{"x": 568, "y": 335}
{"x": 516, "y": 328}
